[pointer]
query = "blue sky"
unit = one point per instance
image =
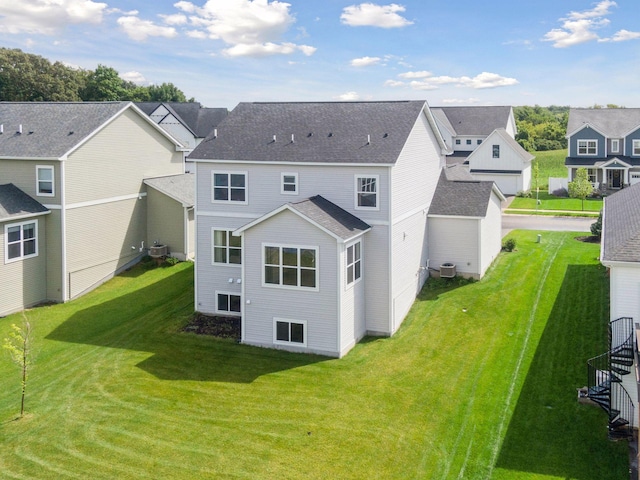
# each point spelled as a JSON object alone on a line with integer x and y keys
{"x": 448, "y": 52}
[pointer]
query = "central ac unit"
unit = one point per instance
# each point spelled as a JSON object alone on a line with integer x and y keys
{"x": 447, "y": 270}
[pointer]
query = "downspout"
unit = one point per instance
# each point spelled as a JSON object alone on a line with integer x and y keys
{"x": 63, "y": 229}
{"x": 392, "y": 320}
{"x": 339, "y": 296}
{"x": 195, "y": 245}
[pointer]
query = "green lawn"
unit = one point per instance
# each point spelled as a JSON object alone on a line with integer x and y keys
{"x": 551, "y": 165}
{"x": 550, "y": 202}
{"x": 479, "y": 383}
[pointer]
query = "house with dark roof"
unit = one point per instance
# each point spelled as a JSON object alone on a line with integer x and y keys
{"x": 483, "y": 140}
{"x": 605, "y": 141}
{"x": 188, "y": 122}
{"x": 612, "y": 376}
{"x": 73, "y": 202}
{"x": 312, "y": 219}
{"x": 465, "y": 222}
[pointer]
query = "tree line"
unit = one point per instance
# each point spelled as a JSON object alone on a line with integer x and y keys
{"x": 25, "y": 77}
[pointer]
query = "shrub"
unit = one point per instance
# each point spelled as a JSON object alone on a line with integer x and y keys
{"x": 596, "y": 227}
{"x": 170, "y": 261}
{"x": 509, "y": 245}
{"x": 524, "y": 194}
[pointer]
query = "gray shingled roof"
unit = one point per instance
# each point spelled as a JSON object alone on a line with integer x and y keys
{"x": 14, "y": 203}
{"x": 181, "y": 188}
{"x": 50, "y": 130}
{"x": 333, "y": 132}
{"x": 612, "y": 122}
{"x": 461, "y": 198}
{"x": 200, "y": 120}
{"x": 331, "y": 217}
{"x": 472, "y": 121}
{"x": 621, "y": 227}
{"x": 457, "y": 172}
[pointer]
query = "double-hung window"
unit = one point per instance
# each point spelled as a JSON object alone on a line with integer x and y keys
{"x": 636, "y": 147}
{"x": 21, "y": 241}
{"x": 496, "y": 151}
{"x": 227, "y": 248}
{"x": 591, "y": 174}
{"x": 44, "y": 182}
{"x": 367, "y": 192}
{"x": 289, "y": 185}
{"x": 587, "y": 147}
{"x": 229, "y": 187}
{"x": 289, "y": 266}
{"x": 615, "y": 145}
{"x": 354, "y": 265}
{"x": 228, "y": 303}
{"x": 289, "y": 331}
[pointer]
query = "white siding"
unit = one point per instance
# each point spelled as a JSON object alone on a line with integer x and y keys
{"x": 482, "y": 159}
{"x": 455, "y": 240}
{"x": 318, "y": 308}
{"x": 352, "y": 300}
{"x": 625, "y": 292}
{"x": 508, "y": 184}
{"x": 490, "y": 234}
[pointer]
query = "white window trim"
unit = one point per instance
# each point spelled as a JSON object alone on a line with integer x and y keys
{"x": 346, "y": 263}
{"x": 290, "y": 321}
{"x": 586, "y": 146}
{"x": 6, "y": 241}
{"x": 53, "y": 181}
{"x": 615, "y": 145}
{"x": 213, "y": 248}
{"x": 355, "y": 192}
{"x": 291, "y": 287}
{"x": 230, "y": 202}
{"x": 228, "y": 313}
{"x": 635, "y": 145}
{"x": 288, "y": 174}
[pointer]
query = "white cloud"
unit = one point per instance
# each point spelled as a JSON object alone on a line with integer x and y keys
{"x": 140, "y": 30}
{"x": 623, "y": 36}
{"x": 47, "y": 17}
{"x": 175, "y": 19}
{"x": 199, "y": 34}
{"x": 578, "y": 27}
{"x": 460, "y": 101}
{"x": 365, "y": 61}
{"x": 424, "y": 80}
{"x": 249, "y": 27}
{"x": 348, "y": 97}
{"x": 135, "y": 77}
{"x": 372, "y": 15}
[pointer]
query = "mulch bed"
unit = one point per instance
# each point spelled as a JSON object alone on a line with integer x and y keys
{"x": 589, "y": 239}
{"x": 217, "y": 326}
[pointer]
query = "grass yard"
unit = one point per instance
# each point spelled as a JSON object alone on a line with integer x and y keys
{"x": 479, "y": 383}
{"x": 551, "y": 165}
{"x": 550, "y": 202}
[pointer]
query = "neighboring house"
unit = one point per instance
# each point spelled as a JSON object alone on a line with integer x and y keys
{"x": 188, "y": 122}
{"x": 465, "y": 223}
{"x": 73, "y": 207}
{"x": 311, "y": 219}
{"x": 612, "y": 376}
{"x": 483, "y": 140}
{"x": 605, "y": 141}
{"x": 170, "y": 204}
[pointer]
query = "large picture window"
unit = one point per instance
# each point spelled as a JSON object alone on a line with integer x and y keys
{"x": 287, "y": 266}
{"x": 587, "y": 147}
{"x": 229, "y": 187}
{"x": 367, "y": 192}
{"x": 44, "y": 185}
{"x": 21, "y": 241}
{"x": 354, "y": 265}
{"x": 227, "y": 248}
{"x": 289, "y": 332}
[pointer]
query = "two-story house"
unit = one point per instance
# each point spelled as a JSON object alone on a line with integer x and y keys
{"x": 312, "y": 219}
{"x": 607, "y": 143}
{"x": 483, "y": 140}
{"x": 73, "y": 203}
{"x": 187, "y": 122}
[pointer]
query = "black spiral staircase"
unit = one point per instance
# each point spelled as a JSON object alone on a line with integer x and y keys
{"x": 605, "y": 378}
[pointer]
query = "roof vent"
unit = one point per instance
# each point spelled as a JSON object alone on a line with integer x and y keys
{"x": 274, "y": 138}
{"x": 1, "y": 128}
{"x": 385, "y": 135}
{"x": 215, "y": 133}
{"x": 368, "y": 139}
{"x": 20, "y": 128}
{"x": 330, "y": 134}
{"x": 310, "y": 134}
{"x": 70, "y": 133}
{"x": 293, "y": 138}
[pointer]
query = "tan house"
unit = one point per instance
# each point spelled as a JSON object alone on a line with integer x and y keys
{"x": 73, "y": 202}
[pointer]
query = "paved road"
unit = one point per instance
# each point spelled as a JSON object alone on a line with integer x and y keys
{"x": 541, "y": 222}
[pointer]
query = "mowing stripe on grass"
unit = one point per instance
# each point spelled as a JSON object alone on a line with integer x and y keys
{"x": 523, "y": 350}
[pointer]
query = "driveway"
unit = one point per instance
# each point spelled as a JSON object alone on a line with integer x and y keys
{"x": 542, "y": 222}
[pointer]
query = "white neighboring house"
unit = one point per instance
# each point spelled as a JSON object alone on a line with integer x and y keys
{"x": 312, "y": 219}
{"x": 502, "y": 160}
{"x": 188, "y": 122}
